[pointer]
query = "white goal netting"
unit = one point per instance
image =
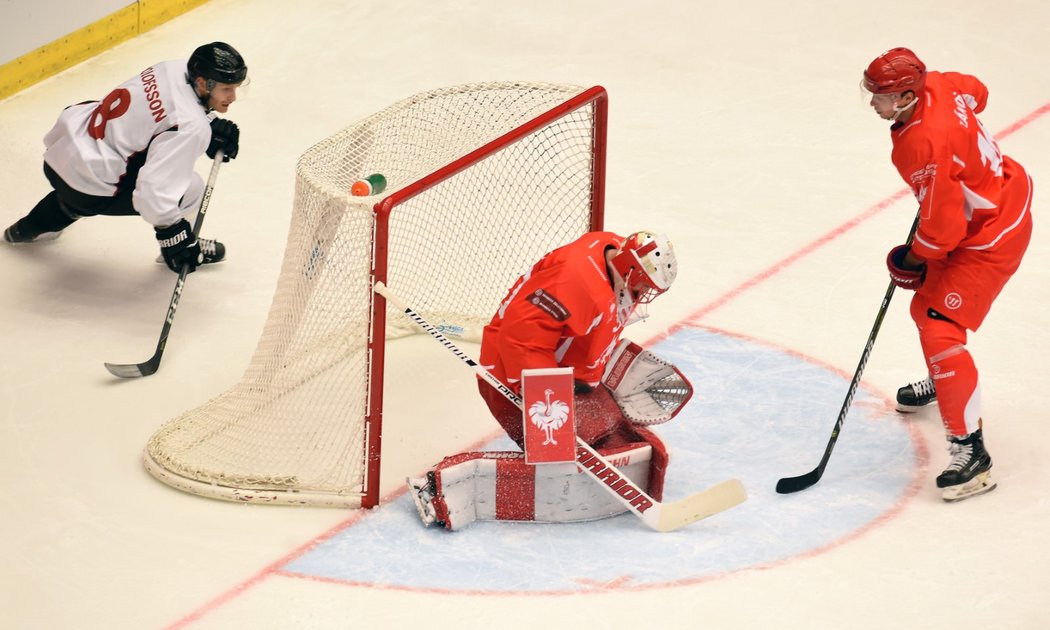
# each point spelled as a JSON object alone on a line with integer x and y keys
{"x": 483, "y": 180}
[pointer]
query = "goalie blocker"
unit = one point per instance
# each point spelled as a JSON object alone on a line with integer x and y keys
{"x": 638, "y": 389}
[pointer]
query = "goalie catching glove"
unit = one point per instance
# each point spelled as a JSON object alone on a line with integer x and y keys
{"x": 648, "y": 389}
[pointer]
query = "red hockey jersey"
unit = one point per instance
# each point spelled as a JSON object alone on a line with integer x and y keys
{"x": 562, "y": 313}
{"x": 970, "y": 195}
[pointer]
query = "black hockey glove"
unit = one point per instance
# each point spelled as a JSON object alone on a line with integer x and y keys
{"x": 224, "y": 135}
{"x": 179, "y": 246}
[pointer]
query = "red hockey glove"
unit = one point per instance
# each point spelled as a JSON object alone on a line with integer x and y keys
{"x": 905, "y": 278}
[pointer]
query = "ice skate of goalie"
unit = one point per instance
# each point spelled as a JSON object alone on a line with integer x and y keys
{"x": 553, "y": 481}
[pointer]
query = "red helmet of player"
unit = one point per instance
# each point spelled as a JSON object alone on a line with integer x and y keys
{"x": 895, "y": 71}
{"x": 646, "y": 264}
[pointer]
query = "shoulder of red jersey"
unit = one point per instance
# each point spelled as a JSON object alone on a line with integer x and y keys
{"x": 969, "y": 88}
{"x": 573, "y": 280}
{"x": 597, "y": 241}
{"x": 924, "y": 140}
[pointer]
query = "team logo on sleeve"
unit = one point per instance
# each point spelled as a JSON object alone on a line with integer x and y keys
{"x": 549, "y": 304}
{"x": 921, "y": 179}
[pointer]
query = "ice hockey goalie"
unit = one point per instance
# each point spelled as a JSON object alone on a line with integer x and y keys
{"x": 569, "y": 310}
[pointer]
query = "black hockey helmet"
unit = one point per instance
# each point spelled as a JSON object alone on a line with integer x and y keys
{"x": 217, "y": 61}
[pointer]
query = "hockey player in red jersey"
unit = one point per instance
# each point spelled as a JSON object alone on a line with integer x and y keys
{"x": 134, "y": 152}
{"x": 569, "y": 310}
{"x": 974, "y": 226}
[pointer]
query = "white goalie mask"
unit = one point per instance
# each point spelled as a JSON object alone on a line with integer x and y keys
{"x": 645, "y": 265}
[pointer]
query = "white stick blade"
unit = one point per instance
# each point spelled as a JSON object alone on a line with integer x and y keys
{"x": 124, "y": 370}
{"x": 701, "y": 505}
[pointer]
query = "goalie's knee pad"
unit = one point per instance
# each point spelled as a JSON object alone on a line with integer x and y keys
{"x": 500, "y": 486}
{"x": 658, "y": 461}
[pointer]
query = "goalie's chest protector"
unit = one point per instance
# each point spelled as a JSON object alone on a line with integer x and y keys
{"x": 561, "y": 313}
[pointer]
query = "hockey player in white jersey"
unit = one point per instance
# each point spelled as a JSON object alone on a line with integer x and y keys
{"x": 133, "y": 153}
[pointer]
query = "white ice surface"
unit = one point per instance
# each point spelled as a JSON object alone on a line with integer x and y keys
{"x": 738, "y": 129}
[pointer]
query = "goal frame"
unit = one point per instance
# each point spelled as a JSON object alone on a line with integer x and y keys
{"x": 501, "y": 171}
{"x": 596, "y": 96}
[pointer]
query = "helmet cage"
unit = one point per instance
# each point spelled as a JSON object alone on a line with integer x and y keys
{"x": 646, "y": 265}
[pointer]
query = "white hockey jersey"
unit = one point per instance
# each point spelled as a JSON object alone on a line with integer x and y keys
{"x": 154, "y": 116}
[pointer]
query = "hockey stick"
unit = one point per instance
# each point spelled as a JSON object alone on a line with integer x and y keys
{"x": 135, "y": 370}
{"x": 787, "y": 485}
{"x": 662, "y": 517}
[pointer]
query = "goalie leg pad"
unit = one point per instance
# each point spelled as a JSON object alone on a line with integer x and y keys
{"x": 500, "y": 486}
{"x": 657, "y": 462}
{"x": 599, "y": 420}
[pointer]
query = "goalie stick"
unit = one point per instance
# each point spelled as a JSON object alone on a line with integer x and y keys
{"x": 135, "y": 370}
{"x": 788, "y": 485}
{"x": 662, "y": 517}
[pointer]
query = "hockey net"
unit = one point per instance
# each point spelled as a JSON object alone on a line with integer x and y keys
{"x": 483, "y": 180}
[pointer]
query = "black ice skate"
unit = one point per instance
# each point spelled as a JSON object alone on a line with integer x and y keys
{"x": 969, "y": 473}
{"x": 915, "y": 396}
{"x": 15, "y": 234}
{"x": 213, "y": 251}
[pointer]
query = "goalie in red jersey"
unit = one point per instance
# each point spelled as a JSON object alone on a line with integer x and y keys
{"x": 569, "y": 310}
{"x": 975, "y": 223}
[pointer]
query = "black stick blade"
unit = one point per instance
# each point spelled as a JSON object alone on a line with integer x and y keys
{"x": 788, "y": 485}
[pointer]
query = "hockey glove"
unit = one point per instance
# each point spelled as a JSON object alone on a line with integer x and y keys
{"x": 648, "y": 389}
{"x": 224, "y": 135}
{"x": 910, "y": 278}
{"x": 179, "y": 246}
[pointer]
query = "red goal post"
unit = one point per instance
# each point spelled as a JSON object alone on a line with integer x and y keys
{"x": 483, "y": 180}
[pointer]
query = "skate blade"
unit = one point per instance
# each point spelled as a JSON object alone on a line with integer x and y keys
{"x": 902, "y": 408}
{"x": 978, "y": 485}
{"x": 160, "y": 261}
{"x": 40, "y": 238}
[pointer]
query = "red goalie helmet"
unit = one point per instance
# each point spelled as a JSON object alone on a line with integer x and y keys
{"x": 646, "y": 264}
{"x": 894, "y": 71}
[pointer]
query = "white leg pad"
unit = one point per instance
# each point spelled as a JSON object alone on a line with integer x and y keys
{"x": 499, "y": 485}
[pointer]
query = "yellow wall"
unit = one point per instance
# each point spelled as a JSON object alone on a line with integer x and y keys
{"x": 52, "y": 58}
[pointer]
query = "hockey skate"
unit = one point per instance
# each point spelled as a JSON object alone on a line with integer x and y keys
{"x": 14, "y": 234}
{"x": 213, "y": 251}
{"x": 969, "y": 473}
{"x": 915, "y": 396}
{"x": 423, "y": 491}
